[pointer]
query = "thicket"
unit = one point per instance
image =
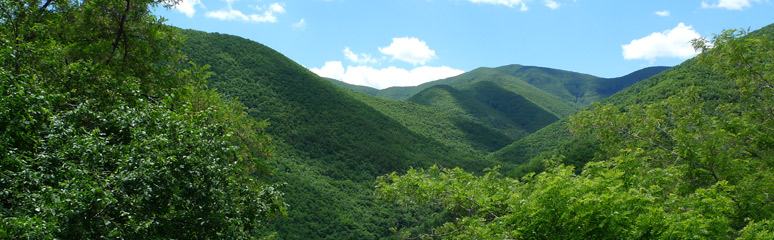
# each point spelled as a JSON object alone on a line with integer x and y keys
{"x": 674, "y": 168}
{"x": 106, "y": 132}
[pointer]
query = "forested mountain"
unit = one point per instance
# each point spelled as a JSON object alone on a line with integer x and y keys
{"x": 340, "y": 142}
{"x": 114, "y": 125}
{"x": 576, "y": 89}
{"x": 683, "y": 155}
{"x": 457, "y": 130}
{"x": 580, "y": 90}
{"x": 556, "y": 139}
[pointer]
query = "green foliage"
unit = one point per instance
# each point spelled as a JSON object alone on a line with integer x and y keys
{"x": 559, "y": 92}
{"x": 518, "y": 109}
{"x": 557, "y": 140}
{"x": 580, "y": 90}
{"x": 454, "y": 129}
{"x": 545, "y": 100}
{"x": 463, "y": 104}
{"x": 103, "y": 138}
{"x": 674, "y": 168}
{"x": 602, "y": 204}
{"x": 330, "y": 145}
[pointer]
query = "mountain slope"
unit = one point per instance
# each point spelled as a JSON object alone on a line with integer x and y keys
{"x": 521, "y": 111}
{"x": 575, "y": 90}
{"x": 556, "y": 139}
{"x": 578, "y": 89}
{"x": 342, "y": 142}
{"x": 547, "y": 101}
{"x": 454, "y": 129}
{"x": 450, "y": 99}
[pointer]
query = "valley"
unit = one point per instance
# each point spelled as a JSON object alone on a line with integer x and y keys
{"x": 116, "y": 125}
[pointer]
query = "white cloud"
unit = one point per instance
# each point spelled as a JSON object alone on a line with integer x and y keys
{"x": 268, "y": 15}
{"x": 358, "y": 58}
{"x": 509, "y": 3}
{"x": 729, "y": 4}
{"x": 276, "y": 7}
{"x": 674, "y": 43}
{"x": 230, "y": 14}
{"x": 664, "y": 13}
{"x": 410, "y": 50}
{"x": 187, "y": 7}
{"x": 384, "y": 77}
{"x": 552, "y": 4}
{"x": 301, "y": 24}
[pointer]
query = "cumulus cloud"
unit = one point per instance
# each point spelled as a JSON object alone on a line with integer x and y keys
{"x": 510, "y": 3}
{"x": 301, "y": 24}
{"x": 664, "y": 13}
{"x": 673, "y": 43}
{"x": 187, "y": 7}
{"x": 358, "y": 58}
{"x": 269, "y": 14}
{"x": 552, "y": 4}
{"x": 410, "y": 50}
{"x": 728, "y": 4}
{"x": 384, "y": 77}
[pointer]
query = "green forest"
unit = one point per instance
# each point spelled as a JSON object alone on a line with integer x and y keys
{"x": 114, "y": 125}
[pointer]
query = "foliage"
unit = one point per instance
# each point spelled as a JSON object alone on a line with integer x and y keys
{"x": 515, "y": 107}
{"x": 580, "y": 90}
{"x": 670, "y": 169}
{"x": 454, "y": 129}
{"x": 463, "y": 104}
{"x": 330, "y": 144}
{"x": 557, "y": 140}
{"x": 102, "y": 137}
{"x": 559, "y": 92}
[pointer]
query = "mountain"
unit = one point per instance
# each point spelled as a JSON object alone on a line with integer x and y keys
{"x": 332, "y": 142}
{"x": 490, "y": 104}
{"x": 330, "y": 145}
{"x": 556, "y": 139}
{"x": 684, "y": 154}
{"x": 577, "y": 90}
{"x": 458, "y": 130}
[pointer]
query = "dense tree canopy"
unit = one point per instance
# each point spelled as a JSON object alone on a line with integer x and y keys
{"x": 672, "y": 169}
{"x": 107, "y": 133}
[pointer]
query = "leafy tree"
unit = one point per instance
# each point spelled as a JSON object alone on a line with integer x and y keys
{"x": 102, "y": 136}
{"x": 673, "y": 169}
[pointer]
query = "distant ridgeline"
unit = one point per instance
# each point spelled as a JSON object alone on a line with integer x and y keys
{"x": 576, "y": 89}
{"x": 685, "y": 154}
{"x": 513, "y": 100}
{"x": 331, "y": 142}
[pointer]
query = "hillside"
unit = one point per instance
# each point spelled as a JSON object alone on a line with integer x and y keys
{"x": 452, "y": 100}
{"x": 578, "y": 89}
{"x": 574, "y": 90}
{"x": 685, "y": 154}
{"x": 556, "y": 138}
{"x": 454, "y": 129}
{"x": 331, "y": 144}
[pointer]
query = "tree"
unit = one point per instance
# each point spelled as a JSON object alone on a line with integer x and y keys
{"x": 679, "y": 168}
{"x": 106, "y": 133}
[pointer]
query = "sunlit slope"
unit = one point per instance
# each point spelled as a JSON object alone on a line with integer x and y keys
{"x": 330, "y": 145}
{"x": 456, "y": 129}
{"x": 557, "y": 140}
{"x": 578, "y": 89}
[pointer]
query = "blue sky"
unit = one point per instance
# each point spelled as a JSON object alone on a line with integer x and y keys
{"x": 382, "y": 43}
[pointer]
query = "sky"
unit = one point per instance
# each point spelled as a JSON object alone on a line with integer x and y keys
{"x": 384, "y": 43}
